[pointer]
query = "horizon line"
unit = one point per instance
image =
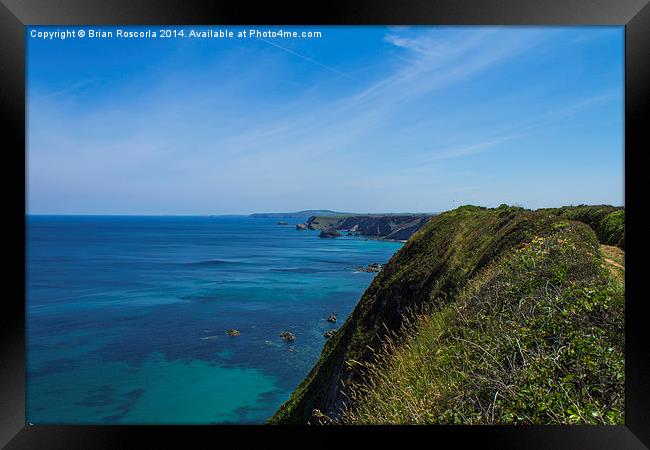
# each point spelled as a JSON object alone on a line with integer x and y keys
{"x": 298, "y": 211}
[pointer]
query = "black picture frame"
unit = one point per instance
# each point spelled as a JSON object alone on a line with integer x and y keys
{"x": 16, "y": 14}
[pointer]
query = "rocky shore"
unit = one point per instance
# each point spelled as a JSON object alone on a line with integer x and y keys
{"x": 384, "y": 227}
{"x": 374, "y": 267}
{"x": 329, "y": 233}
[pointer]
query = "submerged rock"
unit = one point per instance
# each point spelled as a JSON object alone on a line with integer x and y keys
{"x": 331, "y": 233}
{"x": 233, "y": 332}
{"x": 283, "y": 223}
{"x": 287, "y": 336}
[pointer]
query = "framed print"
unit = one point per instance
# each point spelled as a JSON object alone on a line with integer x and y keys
{"x": 386, "y": 219}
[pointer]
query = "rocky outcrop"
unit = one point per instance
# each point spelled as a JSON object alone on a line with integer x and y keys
{"x": 374, "y": 267}
{"x": 301, "y": 226}
{"x": 287, "y": 336}
{"x": 388, "y": 227}
{"x": 330, "y": 333}
{"x": 329, "y": 233}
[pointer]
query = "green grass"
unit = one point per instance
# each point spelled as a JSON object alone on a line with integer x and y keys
{"x": 485, "y": 316}
{"x": 323, "y": 222}
{"x": 536, "y": 338}
{"x": 608, "y": 222}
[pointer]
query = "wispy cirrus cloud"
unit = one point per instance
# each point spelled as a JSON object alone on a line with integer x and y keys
{"x": 306, "y": 58}
{"x": 521, "y": 129}
{"x": 254, "y": 137}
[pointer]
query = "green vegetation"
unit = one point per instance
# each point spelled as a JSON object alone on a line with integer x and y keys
{"x": 608, "y": 222}
{"x": 536, "y": 338}
{"x": 485, "y": 316}
{"x": 614, "y": 259}
{"x": 324, "y": 222}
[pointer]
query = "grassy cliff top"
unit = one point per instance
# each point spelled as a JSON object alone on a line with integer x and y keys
{"x": 499, "y": 315}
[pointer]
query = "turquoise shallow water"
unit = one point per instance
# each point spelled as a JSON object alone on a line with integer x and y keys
{"x": 127, "y": 316}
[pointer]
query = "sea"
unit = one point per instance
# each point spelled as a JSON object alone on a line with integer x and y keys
{"x": 127, "y": 317}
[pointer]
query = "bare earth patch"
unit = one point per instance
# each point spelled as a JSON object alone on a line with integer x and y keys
{"x": 614, "y": 259}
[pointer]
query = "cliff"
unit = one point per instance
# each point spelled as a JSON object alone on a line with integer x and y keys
{"x": 500, "y": 315}
{"x": 389, "y": 227}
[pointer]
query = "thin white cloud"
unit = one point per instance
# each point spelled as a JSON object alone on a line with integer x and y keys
{"x": 519, "y": 130}
{"x": 178, "y": 139}
{"x": 420, "y": 45}
{"x": 306, "y": 58}
{"x": 66, "y": 90}
{"x": 437, "y": 64}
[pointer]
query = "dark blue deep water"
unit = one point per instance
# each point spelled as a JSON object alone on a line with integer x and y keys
{"x": 127, "y": 316}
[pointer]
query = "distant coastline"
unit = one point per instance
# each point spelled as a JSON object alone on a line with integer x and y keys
{"x": 297, "y": 214}
{"x": 389, "y": 227}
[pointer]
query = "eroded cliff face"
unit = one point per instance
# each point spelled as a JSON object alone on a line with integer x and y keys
{"x": 389, "y": 227}
{"x": 432, "y": 268}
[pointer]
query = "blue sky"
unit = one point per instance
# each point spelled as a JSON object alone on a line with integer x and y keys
{"x": 363, "y": 119}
